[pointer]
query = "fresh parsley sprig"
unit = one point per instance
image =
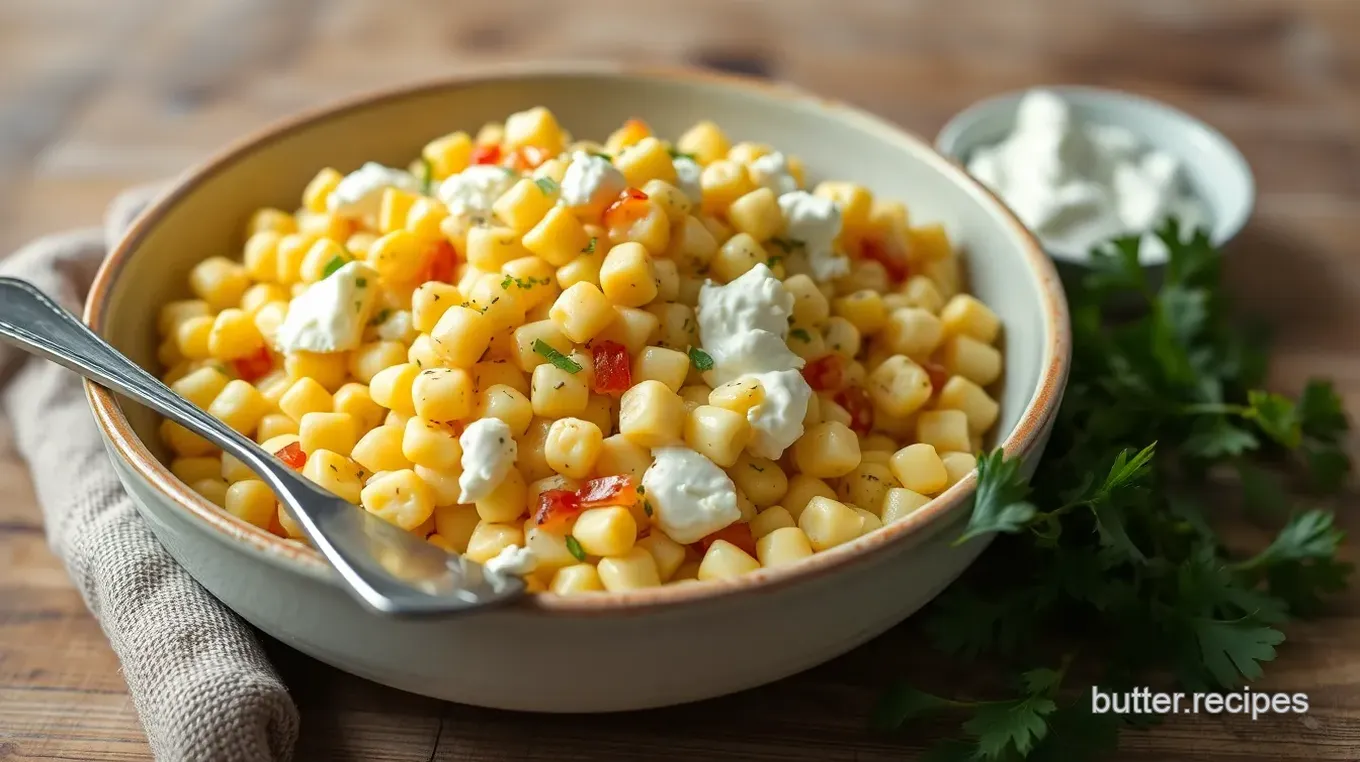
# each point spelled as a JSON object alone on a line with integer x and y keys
{"x": 1110, "y": 541}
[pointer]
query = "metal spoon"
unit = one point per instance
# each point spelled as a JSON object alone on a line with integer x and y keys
{"x": 389, "y": 569}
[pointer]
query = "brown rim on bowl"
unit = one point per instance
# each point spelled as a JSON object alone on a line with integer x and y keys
{"x": 1041, "y": 407}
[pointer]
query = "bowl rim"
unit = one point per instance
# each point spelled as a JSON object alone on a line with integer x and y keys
{"x": 1225, "y": 228}
{"x": 1028, "y": 434}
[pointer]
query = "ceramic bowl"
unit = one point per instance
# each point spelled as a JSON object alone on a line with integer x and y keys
{"x": 595, "y": 653}
{"x": 1213, "y": 167}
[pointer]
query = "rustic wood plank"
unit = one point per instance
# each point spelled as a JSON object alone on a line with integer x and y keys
{"x": 95, "y": 96}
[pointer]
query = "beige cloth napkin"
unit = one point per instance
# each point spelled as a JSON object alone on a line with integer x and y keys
{"x": 197, "y": 674}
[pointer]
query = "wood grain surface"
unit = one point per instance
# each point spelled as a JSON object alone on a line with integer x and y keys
{"x": 96, "y": 95}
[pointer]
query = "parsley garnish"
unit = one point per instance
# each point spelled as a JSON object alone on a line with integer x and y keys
{"x": 575, "y": 549}
{"x": 646, "y": 505}
{"x": 380, "y": 317}
{"x": 425, "y": 174}
{"x": 336, "y": 263}
{"x": 555, "y": 357}
{"x": 801, "y": 334}
{"x": 680, "y": 154}
{"x": 700, "y": 359}
{"x": 601, "y": 155}
{"x": 1109, "y": 542}
{"x": 787, "y": 244}
{"x": 547, "y": 185}
{"x": 362, "y": 282}
{"x": 590, "y": 247}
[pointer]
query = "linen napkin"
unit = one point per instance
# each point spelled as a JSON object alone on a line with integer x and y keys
{"x": 200, "y": 681}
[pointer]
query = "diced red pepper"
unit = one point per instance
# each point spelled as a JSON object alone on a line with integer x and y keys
{"x": 608, "y": 490}
{"x": 255, "y": 365}
{"x": 556, "y": 507}
{"x": 613, "y": 371}
{"x": 440, "y": 263}
{"x": 737, "y": 534}
{"x": 292, "y": 456}
{"x": 626, "y": 209}
{"x": 826, "y": 373}
{"x": 893, "y": 258}
{"x": 937, "y": 373}
{"x": 528, "y": 157}
{"x": 861, "y": 409}
{"x": 486, "y": 154}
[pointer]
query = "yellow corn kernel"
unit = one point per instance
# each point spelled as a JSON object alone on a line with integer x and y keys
{"x": 632, "y": 570}
{"x": 661, "y": 364}
{"x": 842, "y": 337}
{"x": 443, "y": 484}
{"x": 526, "y": 203}
{"x": 507, "y": 501}
{"x": 717, "y": 433}
{"x": 173, "y": 314}
{"x": 430, "y": 444}
{"x": 605, "y": 531}
{"x": 492, "y": 372}
{"x": 760, "y": 479}
{"x": 669, "y": 198}
{"x": 740, "y": 253}
{"x": 826, "y": 450}
{"x": 958, "y": 465}
{"x": 667, "y": 553}
{"x": 581, "y": 312}
{"x": 724, "y": 181}
{"x": 393, "y": 208}
{"x": 372, "y": 358}
{"x": 651, "y": 415}
{"x": 584, "y": 269}
{"x": 240, "y": 406}
{"x": 575, "y": 580}
{"x": 305, "y": 396}
{"x": 391, "y": 388}
{"x": 945, "y": 430}
{"x": 770, "y": 519}
{"x": 233, "y": 335}
{"x": 866, "y": 485}
{"x": 756, "y": 214}
{"x": 961, "y": 394}
{"x": 443, "y": 394}
{"x": 898, "y": 386}
{"x": 535, "y": 127}
{"x": 288, "y": 257}
{"x": 260, "y": 256}
{"x": 644, "y": 161}
{"x": 319, "y": 189}
{"x": 448, "y": 155}
{"x": 456, "y": 523}
{"x": 930, "y": 243}
{"x": 621, "y": 455}
{"x": 399, "y": 497}
{"x": 219, "y": 282}
{"x": 738, "y": 396}
{"x": 870, "y": 521}
{"x": 325, "y": 225}
{"x": 489, "y": 539}
{"x": 215, "y": 490}
{"x": 918, "y": 468}
{"x": 273, "y": 425}
{"x": 913, "y": 332}
{"x": 336, "y": 432}
{"x": 705, "y": 141}
{"x": 271, "y": 220}
{"x": 855, "y": 202}
{"x": 461, "y": 336}
{"x": 810, "y": 307}
{"x": 558, "y": 237}
{"x": 234, "y": 470}
{"x": 498, "y": 299}
{"x": 527, "y": 337}
{"x": 630, "y": 327}
{"x": 261, "y": 294}
{"x": 190, "y": 470}
{"x": 380, "y": 450}
{"x": 572, "y": 446}
{"x": 828, "y": 523}
{"x": 782, "y": 546}
{"x": 964, "y": 315}
{"x": 863, "y": 309}
{"x": 354, "y": 399}
{"x": 921, "y": 292}
{"x": 425, "y": 219}
{"x": 398, "y": 256}
{"x": 724, "y": 560}
{"x": 900, "y": 502}
{"x": 627, "y": 277}
{"x": 488, "y": 248}
{"x": 429, "y": 302}
{"x": 691, "y": 244}
{"x": 334, "y": 472}
{"x": 201, "y": 386}
{"x": 506, "y": 404}
{"x": 557, "y": 393}
{"x": 966, "y": 356}
{"x": 321, "y": 256}
{"x": 326, "y": 369}
{"x": 535, "y": 281}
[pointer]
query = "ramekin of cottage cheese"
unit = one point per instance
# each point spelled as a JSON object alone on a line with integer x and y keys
{"x": 1080, "y": 166}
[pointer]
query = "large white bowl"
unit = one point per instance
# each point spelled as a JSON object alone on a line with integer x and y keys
{"x": 595, "y": 653}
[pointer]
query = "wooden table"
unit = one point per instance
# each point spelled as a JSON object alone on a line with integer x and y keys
{"x": 96, "y": 95}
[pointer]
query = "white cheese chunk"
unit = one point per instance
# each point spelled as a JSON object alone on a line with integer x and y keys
{"x": 687, "y": 172}
{"x": 472, "y": 192}
{"x": 513, "y": 559}
{"x": 777, "y": 422}
{"x": 331, "y": 314}
{"x": 591, "y": 181}
{"x": 815, "y": 222}
{"x": 359, "y": 194}
{"x": 691, "y": 497}
{"x": 489, "y": 451}
{"x": 772, "y": 171}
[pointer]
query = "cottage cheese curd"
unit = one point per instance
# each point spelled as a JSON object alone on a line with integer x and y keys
{"x": 1078, "y": 185}
{"x": 591, "y": 181}
{"x": 359, "y": 194}
{"x": 331, "y": 314}
{"x": 687, "y": 172}
{"x": 772, "y": 171}
{"x": 472, "y": 192}
{"x": 691, "y": 497}
{"x": 489, "y": 451}
{"x": 512, "y": 559}
{"x": 815, "y": 222}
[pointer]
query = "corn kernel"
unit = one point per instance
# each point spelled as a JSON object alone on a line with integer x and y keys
{"x": 575, "y": 580}
{"x": 630, "y": 571}
{"x": 900, "y": 502}
{"x": 336, "y": 432}
{"x": 380, "y": 450}
{"x": 828, "y": 523}
{"x": 461, "y": 336}
{"x": 334, "y": 472}
{"x": 826, "y": 450}
{"x": 399, "y": 497}
{"x": 651, "y": 415}
{"x": 783, "y": 546}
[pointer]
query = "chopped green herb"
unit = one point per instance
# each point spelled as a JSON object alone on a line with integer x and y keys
{"x": 646, "y": 504}
{"x": 363, "y": 282}
{"x": 505, "y": 284}
{"x": 379, "y": 318}
{"x": 801, "y": 334}
{"x": 547, "y": 185}
{"x": 641, "y": 490}
{"x": 425, "y": 174}
{"x": 575, "y": 549}
{"x": 590, "y": 247}
{"x": 787, "y": 244}
{"x": 555, "y": 357}
{"x": 774, "y": 260}
{"x": 700, "y": 359}
{"x": 336, "y": 263}
{"x": 680, "y": 154}
{"x": 601, "y": 155}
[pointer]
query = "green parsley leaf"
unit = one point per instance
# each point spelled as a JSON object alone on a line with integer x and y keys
{"x": 646, "y": 504}
{"x": 789, "y": 245}
{"x": 590, "y": 247}
{"x": 999, "y": 504}
{"x": 1233, "y": 651}
{"x": 680, "y": 154}
{"x": 547, "y": 185}
{"x": 334, "y": 264}
{"x": 1019, "y": 724}
{"x": 425, "y": 175}
{"x": 601, "y": 155}
{"x": 801, "y": 334}
{"x": 555, "y": 357}
{"x": 700, "y": 359}
{"x": 574, "y": 547}
{"x": 381, "y": 317}
{"x": 1276, "y": 415}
